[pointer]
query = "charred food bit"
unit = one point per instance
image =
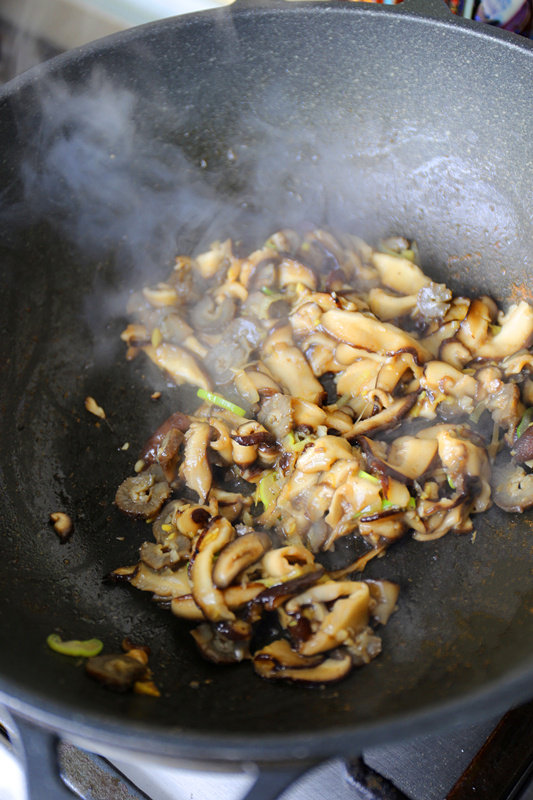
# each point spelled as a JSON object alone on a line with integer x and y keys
{"x": 93, "y": 408}
{"x": 124, "y": 671}
{"x": 63, "y": 525}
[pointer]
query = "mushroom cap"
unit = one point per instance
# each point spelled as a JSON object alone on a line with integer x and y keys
{"x": 143, "y": 495}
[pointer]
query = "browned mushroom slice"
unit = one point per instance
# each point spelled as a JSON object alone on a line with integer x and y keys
{"x": 292, "y": 271}
{"x": 399, "y": 274}
{"x": 412, "y": 456}
{"x": 195, "y": 469}
{"x": 238, "y": 555}
{"x": 384, "y": 596}
{"x": 182, "y": 518}
{"x": 263, "y": 383}
{"x": 408, "y": 457}
{"x": 516, "y": 333}
{"x": 165, "y": 582}
{"x": 500, "y": 398}
{"x": 225, "y": 643}
{"x": 179, "y": 364}
{"x": 116, "y": 671}
{"x": 156, "y": 556}
{"x": 286, "y": 561}
{"x": 289, "y": 367}
{"x": 208, "y": 597}
{"x": 216, "y": 258}
{"x": 274, "y": 596}
{"x": 359, "y": 493}
{"x": 305, "y": 318}
{"x": 348, "y": 615}
{"x": 363, "y": 330}
{"x": 175, "y": 330}
{"x": 441, "y": 380}
{"x": 319, "y": 351}
{"x": 386, "y": 419}
{"x": 278, "y": 655}
{"x": 474, "y": 328}
{"x": 168, "y": 453}
{"x": 143, "y": 495}
{"x": 322, "y": 453}
{"x": 276, "y": 414}
{"x": 306, "y": 414}
{"x": 176, "y": 421}
{"x": 247, "y": 440}
{"x": 186, "y": 608}
{"x": 523, "y": 448}
{"x": 161, "y": 295}
{"x": 513, "y": 487}
{"x": 389, "y": 306}
{"x": 444, "y": 515}
{"x": 521, "y": 362}
{"x": 211, "y": 316}
{"x": 278, "y": 661}
{"x": 385, "y": 526}
{"x": 463, "y": 460}
{"x": 444, "y": 333}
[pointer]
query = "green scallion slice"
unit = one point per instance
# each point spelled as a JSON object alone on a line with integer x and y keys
{"x": 74, "y": 647}
{"x": 525, "y": 423}
{"x": 368, "y": 476}
{"x": 217, "y": 400}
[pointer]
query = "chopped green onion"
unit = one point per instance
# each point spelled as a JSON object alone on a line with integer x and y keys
{"x": 368, "y": 476}
{"x": 217, "y": 400}
{"x": 296, "y": 444}
{"x": 268, "y": 488}
{"x": 525, "y": 423}
{"x": 268, "y": 291}
{"x": 74, "y": 647}
{"x": 451, "y": 484}
{"x": 386, "y": 504}
{"x": 411, "y": 503}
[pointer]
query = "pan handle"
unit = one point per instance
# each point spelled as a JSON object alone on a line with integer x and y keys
{"x": 38, "y": 748}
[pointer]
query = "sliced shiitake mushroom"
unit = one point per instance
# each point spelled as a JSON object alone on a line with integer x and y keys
{"x": 523, "y": 448}
{"x": 115, "y": 671}
{"x": 143, "y": 495}
{"x": 279, "y": 661}
{"x": 212, "y": 316}
{"x": 208, "y": 596}
{"x": 383, "y": 420}
{"x": 225, "y": 643}
{"x": 513, "y": 487}
{"x": 177, "y": 421}
{"x": 238, "y": 555}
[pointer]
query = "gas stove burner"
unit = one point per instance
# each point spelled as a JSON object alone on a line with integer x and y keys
{"x": 493, "y": 759}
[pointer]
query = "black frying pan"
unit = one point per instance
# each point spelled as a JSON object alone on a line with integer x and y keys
{"x": 235, "y": 122}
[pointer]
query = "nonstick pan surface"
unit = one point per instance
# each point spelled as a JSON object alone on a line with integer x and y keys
{"x": 237, "y": 122}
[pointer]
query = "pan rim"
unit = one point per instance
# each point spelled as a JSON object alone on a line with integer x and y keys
{"x": 168, "y": 744}
{"x": 256, "y": 7}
